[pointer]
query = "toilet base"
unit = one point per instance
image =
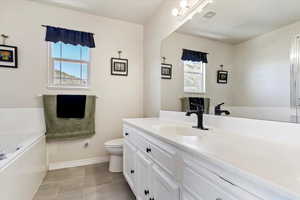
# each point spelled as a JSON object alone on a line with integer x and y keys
{"x": 116, "y": 163}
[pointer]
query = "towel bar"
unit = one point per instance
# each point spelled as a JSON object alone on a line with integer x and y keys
{"x": 40, "y": 95}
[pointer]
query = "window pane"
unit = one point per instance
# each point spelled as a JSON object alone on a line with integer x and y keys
{"x": 84, "y": 71}
{"x": 193, "y": 67}
{"x": 71, "y": 51}
{"x": 56, "y": 50}
{"x": 193, "y": 83}
{"x": 71, "y": 73}
{"x": 56, "y": 73}
{"x": 85, "y": 53}
{"x": 194, "y": 77}
{"x": 71, "y": 70}
{"x": 56, "y": 65}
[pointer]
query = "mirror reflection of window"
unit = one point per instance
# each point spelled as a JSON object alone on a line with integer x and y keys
{"x": 194, "y": 77}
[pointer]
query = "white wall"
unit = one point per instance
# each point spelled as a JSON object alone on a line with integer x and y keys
{"x": 219, "y": 53}
{"x": 262, "y": 69}
{"x": 119, "y": 97}
{"x": 159, "y": 27}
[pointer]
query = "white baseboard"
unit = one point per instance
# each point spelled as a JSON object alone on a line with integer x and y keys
{"x": 77, "y": 163}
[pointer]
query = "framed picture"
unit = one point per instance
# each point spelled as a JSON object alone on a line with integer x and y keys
{"x": 222, "y": 77}
{"x": 119, "y": 67}
{"x": 8, "y": 56}
{"x": 166, "y": 71}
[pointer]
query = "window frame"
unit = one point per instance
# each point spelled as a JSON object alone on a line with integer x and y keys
{"x": 51, "y": 61}
{"x": 203, "y": 78}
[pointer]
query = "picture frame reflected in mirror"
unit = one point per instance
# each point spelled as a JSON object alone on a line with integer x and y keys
{"x": 222, "y": 77}
{"x": 166, "y": 71}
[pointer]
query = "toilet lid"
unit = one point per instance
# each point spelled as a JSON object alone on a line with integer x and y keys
{"x": 115, "y": 143}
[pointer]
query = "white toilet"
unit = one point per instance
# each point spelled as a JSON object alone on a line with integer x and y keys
{"x": 115, "y": 149}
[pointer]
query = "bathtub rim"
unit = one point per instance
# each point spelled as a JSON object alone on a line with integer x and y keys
{"x": 22, "y": 151}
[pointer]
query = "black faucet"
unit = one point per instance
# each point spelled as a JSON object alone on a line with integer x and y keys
{"x": 218, "y": 110}
{"x": 199, "y": 112}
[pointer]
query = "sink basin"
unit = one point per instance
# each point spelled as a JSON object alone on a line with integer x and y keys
{"x": 179, "y": 130}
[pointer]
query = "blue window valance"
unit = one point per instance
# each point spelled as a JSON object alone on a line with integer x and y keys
{"x": 67, "y": 36}
{"x": 195, "y": 56}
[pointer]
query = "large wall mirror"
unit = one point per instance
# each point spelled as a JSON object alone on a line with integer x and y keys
{"x": 240, "y": 55}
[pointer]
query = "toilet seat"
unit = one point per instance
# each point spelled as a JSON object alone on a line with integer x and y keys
{"x": 115, "y": 143}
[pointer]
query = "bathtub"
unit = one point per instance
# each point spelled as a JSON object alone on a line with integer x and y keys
{"x": 23, "y": 162}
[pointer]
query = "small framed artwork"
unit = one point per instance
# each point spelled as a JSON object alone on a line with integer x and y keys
{"x": 166, "y": 71}
{"x": 222, "y": 77}
{"x": 8, "y": 56}
{"x": 119, "y": 67}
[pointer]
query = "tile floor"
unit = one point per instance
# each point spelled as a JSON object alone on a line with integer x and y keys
{"x": 92, "y": 182}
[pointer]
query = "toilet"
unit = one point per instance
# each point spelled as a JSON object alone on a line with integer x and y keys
{"x": 115, "y": 149}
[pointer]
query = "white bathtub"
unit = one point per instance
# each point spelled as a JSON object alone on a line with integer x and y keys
{"x": 23, "y": 162}
{"x": 12, "y": 146}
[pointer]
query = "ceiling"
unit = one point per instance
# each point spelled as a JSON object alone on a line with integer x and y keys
{"x": 136, "y": 11}
{"x": 240, "y": 20}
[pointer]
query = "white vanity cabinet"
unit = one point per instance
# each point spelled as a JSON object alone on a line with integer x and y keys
{"x": 162, "y": 172}
{"x": 143, "y": 176}
{"x": 163, "y": 186}
{"x": 129, "y": 164}
{"x": 151, "y": 180}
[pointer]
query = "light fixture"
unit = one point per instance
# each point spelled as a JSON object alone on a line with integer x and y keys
{"x": 175, "y": 12}
{"x": 184, "y": 4}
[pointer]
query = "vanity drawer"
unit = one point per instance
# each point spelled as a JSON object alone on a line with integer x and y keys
{"x": 163, "y": 158}
{"x": 206, "y": 185}
{"x": 202, "y": 188}
{"x": 161, "y": 153}
{"x": 129, "y": 134}
{"x": 141, "y": 143}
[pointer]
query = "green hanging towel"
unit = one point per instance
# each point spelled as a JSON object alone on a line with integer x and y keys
{"x": 186, "y": 103}
{"x": 69, "y": 128}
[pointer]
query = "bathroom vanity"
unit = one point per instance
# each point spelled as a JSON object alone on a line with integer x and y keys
{"x": 169, "y": 160}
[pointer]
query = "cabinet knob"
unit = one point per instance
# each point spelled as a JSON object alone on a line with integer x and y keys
{"x": 126, "y": 134}
{"x": 146, "y": 192}
{"x": 132, "y": 171}
{"x": 148, "y": 150}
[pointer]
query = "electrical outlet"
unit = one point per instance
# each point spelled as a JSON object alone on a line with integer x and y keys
{"x": 86, "y": 144}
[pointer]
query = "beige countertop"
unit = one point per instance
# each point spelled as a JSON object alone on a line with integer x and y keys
{"x": 272, "y": 162}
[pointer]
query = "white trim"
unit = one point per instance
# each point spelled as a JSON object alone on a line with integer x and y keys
{"x": 59, "y": 87}
{"x": 78, "y": 163}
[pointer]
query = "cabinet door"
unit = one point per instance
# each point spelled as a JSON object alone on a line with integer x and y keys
{"x": 164, "y": 188}
{"x": 129, "y": 170}
{"x": 143, "y": 175}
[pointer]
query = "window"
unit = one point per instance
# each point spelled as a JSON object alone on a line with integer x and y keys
{"x": 194, "y": 77}
{"x": 69, "y": 65}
